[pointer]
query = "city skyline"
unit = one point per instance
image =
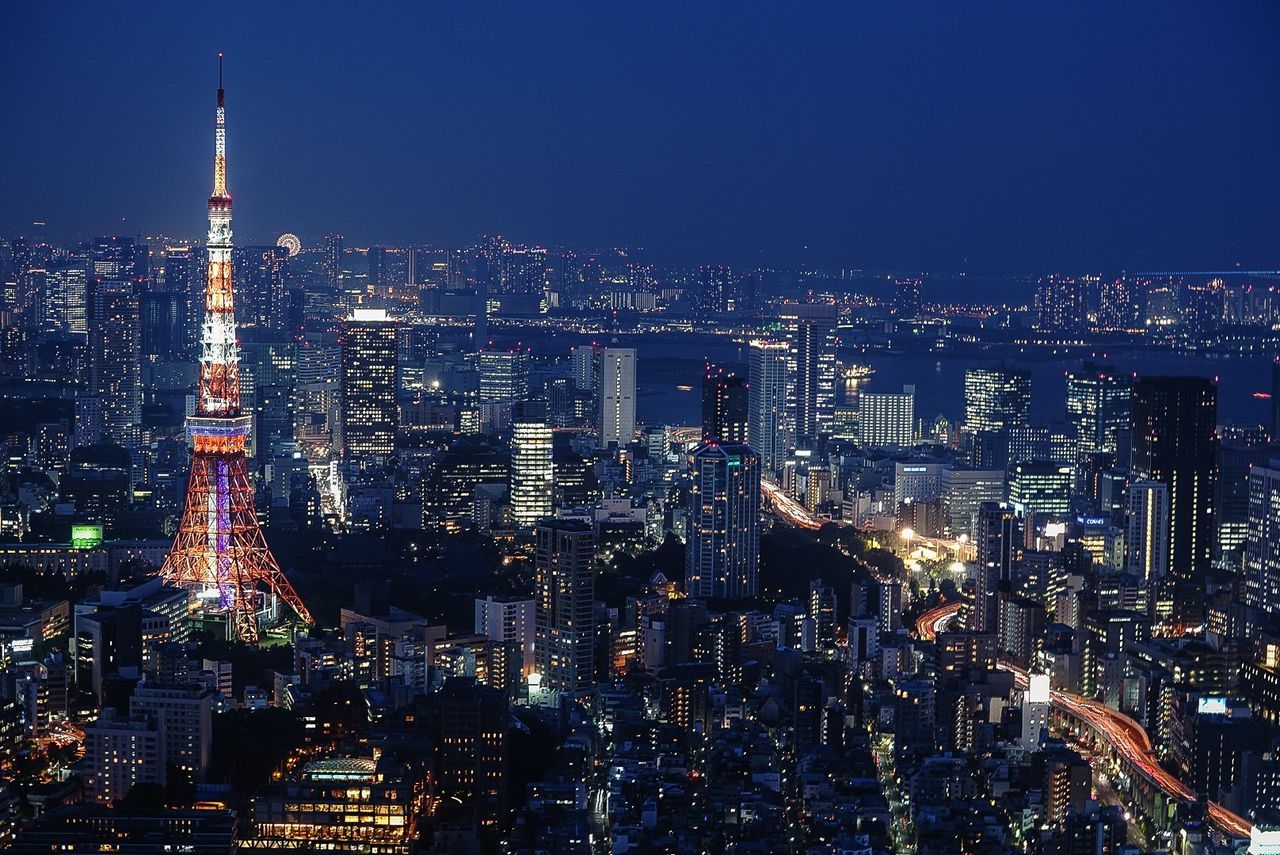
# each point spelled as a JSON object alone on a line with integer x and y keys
{"x": 835, "y": 148}
{"x": 341, "y": 543}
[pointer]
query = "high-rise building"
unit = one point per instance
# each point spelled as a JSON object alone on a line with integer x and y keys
{"x": 908, "y": 298}
{"x": 1262, "y": 541}
{"x": 1275, "y": 399}
{"x": 185, "y": 717}
{"x": 261, "y": 272}
{"x": 811, "y": 331}
{"x": 333, "y": 263}
{"x": 1174, "y": 424}
{"x": 115, "y": 358}
{"x": 469, "y": 722}
{"x": 66, "y": 298}
{"x": 509, "y": 620}
{"x": 768, "y": 427}
{"x": 1041, "y": 487}
{"x": 564, "y": 569}
{"x": 184, "y": 275}
{"x": 715, "y": 284}
{"x": 724, "y": 406}
{"x": 1147, "y": 539}
{"x": 617, "y": 396}
{"x": 377, "y": 258}
{"x": 964, "y": 491}
{"x": 1119, "y": 307}
{"x": 1098, "y": 402}
{"x": 995, "y": 398}
{"x": 119, "y": 753}
{"x": 722, "y": 549}
{"x": 887, "y": 419}
{"x": 161, "y": 329}
{"x": 532, "y": 471}
{"x": 369, "y": 365}
{"x": 1062, "y": 303}
{"x": 999, "y": 543}
{"x": 504, "y": 375}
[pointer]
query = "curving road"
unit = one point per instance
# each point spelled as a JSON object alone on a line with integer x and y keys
{"x": 934, "y": 621}
{"x": 1121, "y": 732}
{"x": 788, "y": 508}
{"x": 1130, "y": 740}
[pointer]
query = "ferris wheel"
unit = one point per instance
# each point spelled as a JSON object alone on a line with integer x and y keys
{"x": 289, "y": 241}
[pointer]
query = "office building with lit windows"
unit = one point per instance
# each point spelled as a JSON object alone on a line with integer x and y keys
{"x": 725, "y": 402}
{"x": 1262, "y": 542}
{"x": 722, "y": 549}
{"x": 995, "y": 398}
{"x": 1174, "y": 424}
{"x": 369, "y": 363}
{"x": 565, "y": 589}
{"x": 532, "y": 470}
{"x": 1098, "y": 404}
{"x": 887, "y": 419}
{"x": 504, "y": 375}
{"x": 768, "y": 426}
{"x": 811, "y": 333}
{"x": 1041, "y": 487}
{"x": 616, "y": 395}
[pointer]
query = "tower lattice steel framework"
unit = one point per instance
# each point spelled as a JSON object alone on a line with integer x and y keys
{"x": 219, "y": 550}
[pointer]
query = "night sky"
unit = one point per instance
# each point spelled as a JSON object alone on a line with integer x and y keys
{"x": 987, "y": 137}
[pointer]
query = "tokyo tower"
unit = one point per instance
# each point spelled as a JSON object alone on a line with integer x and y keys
{"x": 219, "y": 551}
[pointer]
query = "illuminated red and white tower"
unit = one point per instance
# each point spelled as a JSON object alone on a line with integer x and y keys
{"x": 219, "y": 550}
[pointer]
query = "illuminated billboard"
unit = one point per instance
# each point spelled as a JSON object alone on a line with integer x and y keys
{"x": 86, "y": 536}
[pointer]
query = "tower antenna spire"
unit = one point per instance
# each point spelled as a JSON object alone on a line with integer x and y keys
{"x": 219, "y": 550}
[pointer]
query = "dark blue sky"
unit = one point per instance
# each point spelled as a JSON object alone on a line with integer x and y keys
{"x": 988, "y": 137}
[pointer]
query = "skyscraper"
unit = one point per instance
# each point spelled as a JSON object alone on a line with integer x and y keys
{"x": 114, "y": 358}
{"x": 369, "y": 410}
{"x": 66, "y": 297}
{"x": 1262, "y": 541}
{"x": 715, "y": 283}
{"x": 722, "y": 549}
{"x": 377, "y": 259}
{"x": 724, "y": 406}
{"x": 1275, "y": 399}
{"x": 995, "y": 398}
{"x": 617, "y": 396}
{"x": 1041, "y": 487}
{"x": 1062, "y": 303}
{"x": 565, "y": 586}
{"x": 811, "y": 330}
{"x": 504, "y": 375}
{"x": 887, "y": 419}
{"x": 333, "y": 262}
{"x": 998, "y": 542}
{"x": 1174, "y": 425}
{"x": 768, "y": 428}
{"x": 1098, "y": 403}
{"x": 532, "y": 472}
{"x": 1146, "y": 540}
{"x": 261, "y": 270}
{"x": 907, "y": 298}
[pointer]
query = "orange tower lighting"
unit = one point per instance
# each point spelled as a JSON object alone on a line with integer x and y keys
{"x": 219, "y": 551}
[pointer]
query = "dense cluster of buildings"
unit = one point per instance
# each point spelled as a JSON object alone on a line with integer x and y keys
{"x": 814, "y": 622}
